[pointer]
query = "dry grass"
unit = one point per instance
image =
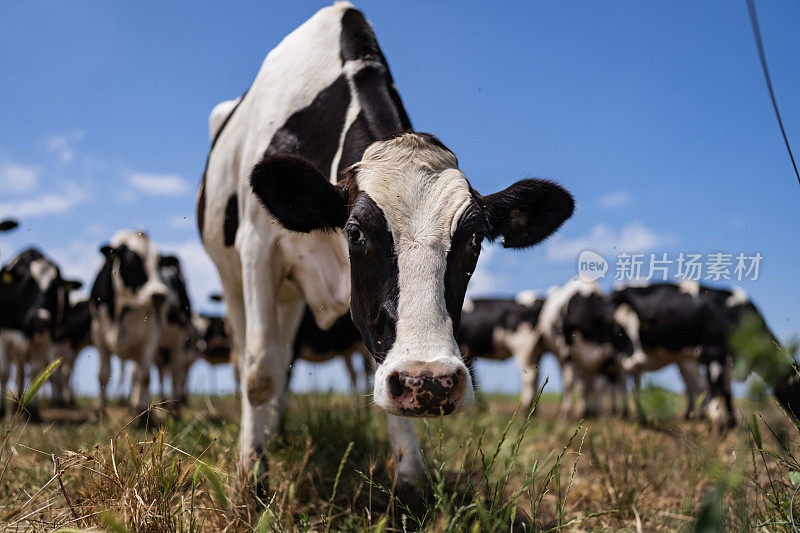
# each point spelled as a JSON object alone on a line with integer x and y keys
{"x": 486, "y": 467}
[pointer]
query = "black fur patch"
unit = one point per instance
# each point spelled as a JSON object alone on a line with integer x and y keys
{"x": 131, "y": 268}
{"x": 374, "y": 279}
{"x": 231, "y": 224}
{"x": 313, "y": 132}
{"x": 342, "y": 336}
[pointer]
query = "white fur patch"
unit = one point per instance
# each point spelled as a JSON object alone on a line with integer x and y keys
{"x": 422, "y": 194}
{"x": 715, "y": 371}
{"x": 689, "y": 287}
{"x": 739, "y": 297}
{"x": 469, "y": 306}
{"x": 526, "y": 298}
{"x": 218, "y": 116}
{"x": 43, "y": 272}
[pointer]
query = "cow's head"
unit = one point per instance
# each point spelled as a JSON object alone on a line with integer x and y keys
{"x": 414, "y": 227}
{"x": 136, "y": 270}
{"x": 33, "y": 288}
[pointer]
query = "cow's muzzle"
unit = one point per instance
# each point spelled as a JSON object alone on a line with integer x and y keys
{"x": 416, "y": 389}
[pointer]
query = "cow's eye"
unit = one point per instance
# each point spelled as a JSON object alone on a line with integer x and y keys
{"x": 354, "y": 235}
{"x": 475, "y": 242}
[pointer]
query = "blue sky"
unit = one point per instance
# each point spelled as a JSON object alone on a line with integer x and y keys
{"x": 654, "y": 115}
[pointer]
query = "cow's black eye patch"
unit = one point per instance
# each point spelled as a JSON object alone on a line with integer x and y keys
{"x": 355, "y": 237}
{"x": 131, "y": 268}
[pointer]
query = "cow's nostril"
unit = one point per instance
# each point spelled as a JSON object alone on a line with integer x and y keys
{"x": 396, "y": 388}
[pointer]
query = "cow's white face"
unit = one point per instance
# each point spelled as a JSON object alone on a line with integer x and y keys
{"x": 414, "y": 229}
{"x": 135, "y": 265}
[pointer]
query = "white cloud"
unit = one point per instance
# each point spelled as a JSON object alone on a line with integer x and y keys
{"x": 51, "y": 203}
{"x": 634, "y": 237}
{"x": 159, "y": 184}
{"x": 615, "y": 200}
{"x": 62, "y": 145}
{"x": 15, "y": 178}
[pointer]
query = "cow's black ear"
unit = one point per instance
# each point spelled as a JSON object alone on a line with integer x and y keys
{"x": 297, "y": 195}
{"x": 527, "y": 212}
{"x": 107, "y": 251}
{"x": 166, "y": 261}
{"x": 6, "y": 277}
{"x": 72, "y": 284}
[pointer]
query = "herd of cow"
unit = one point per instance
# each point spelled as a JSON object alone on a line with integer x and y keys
{"x": 318, "y": 197}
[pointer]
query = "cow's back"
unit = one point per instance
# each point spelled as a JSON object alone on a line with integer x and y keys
{"x": 303, "y": 102}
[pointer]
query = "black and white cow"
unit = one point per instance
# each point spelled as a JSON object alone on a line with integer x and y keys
{"x": 585, "y": 332}
{"x": 129, "y": 307}
{"x": 212, "y": 341}
{"x": 342, "y": 339}
{"x": 178, "y": 334}
{"x": 324, "y": 102}
{"x": 689, "y": 323}
{"x": 499, "y": 328}
{"x": 34, "y": 302}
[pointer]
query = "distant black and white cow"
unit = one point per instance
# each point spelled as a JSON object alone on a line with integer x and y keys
{"x": 499, "y": 328}
{"x": 129, "y": 307}
{"x": 586, "y": 333}
{"x": 212, "y": 341}
{"x": 311, "y": 344}
{"x": 324, "y": 102}
{"x": 342, "y": 339}
{"x": 178, "y": 335}
{"x": 691, "y": 324}
{"x": 34, "y": 301}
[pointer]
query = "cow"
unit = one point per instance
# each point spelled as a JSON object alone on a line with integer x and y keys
{"x": 342, "y": 339}
{"x": 129, "y": 304}
{"x": 34, "y": 301}
{"x": 76, "y": 336}
{"x": 688, "y": 323}
{"x": 499, "y": 328}
{"x": 581, "y": 327}
{"x": 178, "y": 333}
{"x": 324, "y": 104}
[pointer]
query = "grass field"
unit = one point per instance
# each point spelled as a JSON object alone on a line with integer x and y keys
{"x": 331, "y": 471}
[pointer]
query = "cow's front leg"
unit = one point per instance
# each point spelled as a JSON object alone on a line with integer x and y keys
{"x": 409, "y": 469}
{"x": 103, "y": 375}
{"x": 5, "y": 374}
{"x": 693, "y": 379}
{"x": 263, "y": 362}
{"x": 179, "y": 373}
{"x": 567, "y": 389}
{"x": 140, "y": 389}
{"x": 528, "y": 361}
